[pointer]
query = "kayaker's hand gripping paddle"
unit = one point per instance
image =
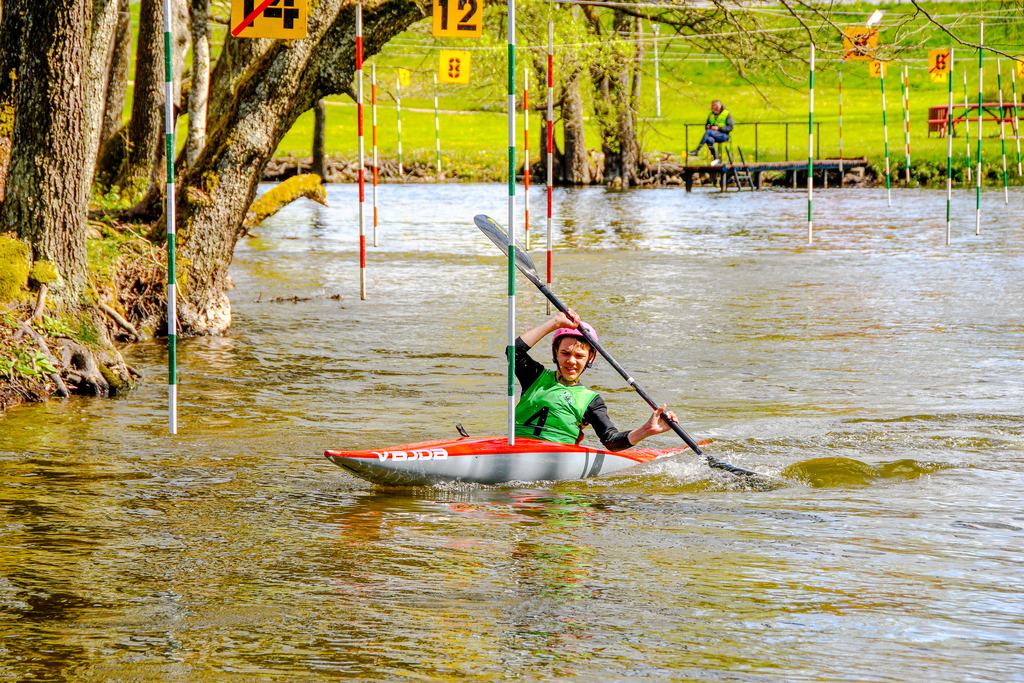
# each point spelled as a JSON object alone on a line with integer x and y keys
{"x": 524, "y": 263}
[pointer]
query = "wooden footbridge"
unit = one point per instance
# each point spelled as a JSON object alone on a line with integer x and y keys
{"x": 745, "y": 175}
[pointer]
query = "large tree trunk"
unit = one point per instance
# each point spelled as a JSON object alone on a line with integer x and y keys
{"x": 144, "y": 162}
{"x": 615, "y": 110}
{"x": 629, "y": 141}
{"x": 216, "y": 192}
{"x": 575, "y": 169}
{"x": 145, "y": 128}
{"x": 117, "y": 75}
{"x": 11, "y": 47}
{"x": 319, "y": 139}
{"x": 235, "y": 58}
{"x": 199, "y": 93}
{"x": 47, "y": 193}
{"x": 99, "y": 52}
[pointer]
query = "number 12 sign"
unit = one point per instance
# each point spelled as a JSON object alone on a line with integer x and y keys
{"x": 458, "y": 18}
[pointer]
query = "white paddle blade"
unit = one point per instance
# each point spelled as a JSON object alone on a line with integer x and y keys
{"x": 497, "y": 234}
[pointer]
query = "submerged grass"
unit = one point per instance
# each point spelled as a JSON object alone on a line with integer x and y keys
{"x": 840, "y": 472}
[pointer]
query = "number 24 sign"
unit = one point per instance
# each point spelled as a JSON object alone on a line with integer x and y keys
{"x": 458, "y": 18}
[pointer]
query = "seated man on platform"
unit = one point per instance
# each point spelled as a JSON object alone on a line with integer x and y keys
{"x": 716, "y": 129}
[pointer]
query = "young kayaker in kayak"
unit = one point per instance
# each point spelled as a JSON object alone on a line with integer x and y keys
{"x": 554, "y": 406}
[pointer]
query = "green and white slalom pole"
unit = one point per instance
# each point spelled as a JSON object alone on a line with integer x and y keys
{"x": 967, "y": 131}
{"x": 172, "y": 313}
{"x": 657, "y": 77}
{"x": 840, "y": 124}
{"x": 1016, "y": 119}
{"x": 510, "y": 350}
{"x": 437, "y": 130}
{"x": 398, "y": 112}
{"x": 885, "y": 133}
{"x": 810, "y": 154}
{"x": 526, "y": 157}
{"x": 981, "y": 103}
{"x": 905, "y": 87}
{"x": 551, "y": 143}
{"x": 949, "y": 150}
{"x": 1002, "y": 127}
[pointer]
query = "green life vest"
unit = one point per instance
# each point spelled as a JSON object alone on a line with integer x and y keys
{"x": 551, "y": 411}
{"x": 718, "y": 119}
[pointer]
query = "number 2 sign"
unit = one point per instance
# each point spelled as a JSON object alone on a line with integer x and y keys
{"x": 458, "y": 18}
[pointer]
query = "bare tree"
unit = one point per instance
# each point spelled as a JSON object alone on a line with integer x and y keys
{"x": 141, "y": 164}
{"x": 96, "y": 72}
{"x": 575, "y": 169}
{"x": 612, "y": 75}
{"x": 319, "y": 138}
{"x": 117, "y": 76}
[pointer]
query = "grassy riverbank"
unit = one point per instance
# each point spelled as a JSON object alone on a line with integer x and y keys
{"x": 474, "y": 128}
{"x": 473, "y": 121}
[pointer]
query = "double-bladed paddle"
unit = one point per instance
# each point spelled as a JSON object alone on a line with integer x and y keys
{"x": 524, "y": 263}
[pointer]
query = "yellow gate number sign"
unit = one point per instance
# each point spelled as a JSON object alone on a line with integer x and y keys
{"x": 283, "y": 19}
{"x": 404, "y": 77}
{"x": 859, "y": 44}
{"x": 938, "y": 65}
{"x": 878, "y": 68}
{"x": 453, "y": 67}
{"x": 1020, "y": 67}
{"x": 458, "y": 18}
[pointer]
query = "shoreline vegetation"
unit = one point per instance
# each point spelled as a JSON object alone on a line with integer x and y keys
{"x": 83, "y": 177}
{"x": 654, "y": 171}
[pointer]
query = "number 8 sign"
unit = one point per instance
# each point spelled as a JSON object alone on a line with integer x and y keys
{"x": 458, "y": 18}
{"x": 453, "y": 67}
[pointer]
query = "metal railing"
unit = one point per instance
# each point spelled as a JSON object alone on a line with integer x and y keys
{"x": 741, "y": 132}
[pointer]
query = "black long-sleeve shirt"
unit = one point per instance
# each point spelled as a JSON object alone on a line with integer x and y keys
{"x": 596, "y": 415}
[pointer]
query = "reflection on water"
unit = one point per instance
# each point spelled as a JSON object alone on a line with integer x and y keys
{"x": 876, "y": 377}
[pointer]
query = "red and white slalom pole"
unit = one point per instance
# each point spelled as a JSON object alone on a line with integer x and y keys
{"x": 657, "y": 77}
{"x": 551, "y": 141}
{"x": 526, "y": 155}
{"x": 362, "y": 170}
{"x": 398, "y": 113}
{"x": 437, "y": 130}
{"x": 373, "y": 137}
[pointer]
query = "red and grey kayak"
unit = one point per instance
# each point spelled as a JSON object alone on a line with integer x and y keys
{"x": 488, "y": 460}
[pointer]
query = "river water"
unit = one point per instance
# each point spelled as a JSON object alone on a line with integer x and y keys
{"x": 877, "y": 376}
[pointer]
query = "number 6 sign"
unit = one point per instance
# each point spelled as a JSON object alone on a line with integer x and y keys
{"x": 458, "y": 18}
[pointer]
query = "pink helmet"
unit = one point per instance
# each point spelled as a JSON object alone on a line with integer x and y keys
{"x": 573, "y": 332}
